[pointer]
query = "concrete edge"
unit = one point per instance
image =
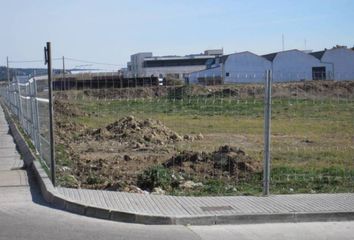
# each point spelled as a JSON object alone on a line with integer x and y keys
{"x": 52, "y": 196}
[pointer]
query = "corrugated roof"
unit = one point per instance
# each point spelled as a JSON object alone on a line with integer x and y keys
{"x": 223, "y": 58}
{"x": 318, "y": 54}
{"x": 270, "y": 56}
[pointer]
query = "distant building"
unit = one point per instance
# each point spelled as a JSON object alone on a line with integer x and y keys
{"x": 295, "y": 65}
{"x": 341, "y": 59}
{"x": 243, "y": 67}
{"x": 176, "y": 67}
{"x": 211, "y": 67}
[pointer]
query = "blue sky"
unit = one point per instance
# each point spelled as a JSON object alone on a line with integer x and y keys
{"x": 112, "y": 30}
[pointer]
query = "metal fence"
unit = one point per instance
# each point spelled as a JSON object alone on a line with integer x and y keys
{"x": 27, "y": 99}
{"x": 192, "y": 139}
{"x": 208, "y": 138}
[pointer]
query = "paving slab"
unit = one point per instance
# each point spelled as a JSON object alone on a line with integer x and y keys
{"x": 211, "y": 206}
{"x": 13, "y": 178}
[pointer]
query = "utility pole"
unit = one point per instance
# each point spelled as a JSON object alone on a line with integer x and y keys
{"x": 48, "y": 61}
{"x": 267, "y": 124}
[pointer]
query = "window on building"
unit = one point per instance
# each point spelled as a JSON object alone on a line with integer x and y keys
{"x": 227, "y": 74}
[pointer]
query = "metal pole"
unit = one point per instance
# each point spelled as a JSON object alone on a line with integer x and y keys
{"x": 8, "y": 70}
{"x": 38, "y": 146}
{"x": 64, "y": 82}
{"x": 51, "y": 120}
{"x": 267, "y": 124}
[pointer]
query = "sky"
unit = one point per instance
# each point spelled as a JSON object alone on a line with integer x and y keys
{"x": 109, "y": 31}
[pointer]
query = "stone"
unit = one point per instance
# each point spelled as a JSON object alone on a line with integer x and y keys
{"x": 200, "y": 136}
{"x": 158, "y": 191}
{"x": 190, "y": 184}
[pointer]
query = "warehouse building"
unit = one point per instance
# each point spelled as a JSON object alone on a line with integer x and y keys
{"x": 212, "y": 67}
{"x": 295, "y": 65}
{"x": 341, "y": 59}
{"x": 243, "y": 67}
{"x": 175, "y": 67}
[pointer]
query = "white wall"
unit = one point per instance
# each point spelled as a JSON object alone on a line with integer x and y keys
{"x": 294, "y": 65}
{"x": 245, "y": 67}
{"x": 343, "y": 61}
{"x": 136, "y": 61}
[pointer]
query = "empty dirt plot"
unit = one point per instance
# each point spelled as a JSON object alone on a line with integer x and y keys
{"x": 206, "y": 140}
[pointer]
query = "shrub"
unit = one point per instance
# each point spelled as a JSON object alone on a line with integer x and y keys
{"x": 155, "y": 176}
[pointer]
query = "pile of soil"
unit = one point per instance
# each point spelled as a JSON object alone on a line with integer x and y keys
{"x": 66, "y": 130}
{"x": 304, "y": 89}
{"x": 126, "y": 93}
{"x": 135, "y": 131}
{"x": 226, "y": 161}
{"x": 66, "y": 109}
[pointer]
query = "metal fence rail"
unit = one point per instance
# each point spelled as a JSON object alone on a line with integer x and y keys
{"x": 28, "y": 102}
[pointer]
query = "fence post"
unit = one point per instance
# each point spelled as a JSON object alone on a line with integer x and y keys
{"x": 19, "y": 102}
{"x": 8, "y": 70}
{"x": 48, "y": 58}
{"x": 267, "y": 124}
{"x": 64, "y": 79}
{"x": 38, "y": 146}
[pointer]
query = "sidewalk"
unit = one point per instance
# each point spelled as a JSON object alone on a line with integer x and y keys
{"x": 10, "y": 160}
{"x": 13, "y": 180}
{"x": 212, "y": 210}
{"x": 158, "y": 209}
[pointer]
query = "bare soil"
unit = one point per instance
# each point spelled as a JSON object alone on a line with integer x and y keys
{"x": 342, "y": 89}
{"x": 113, "y": 156}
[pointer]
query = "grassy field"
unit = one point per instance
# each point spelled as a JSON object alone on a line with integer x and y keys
{"x": 312, "y": 140}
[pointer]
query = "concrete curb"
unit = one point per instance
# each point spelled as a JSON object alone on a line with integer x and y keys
{"x": 52, "y": 196}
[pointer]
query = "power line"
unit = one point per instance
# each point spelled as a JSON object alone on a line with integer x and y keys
{"x": 85, "y": 61}
{"x": 68, "y": 58}
{"x": 26, "y": 61}
{"x": 30, "y": 61}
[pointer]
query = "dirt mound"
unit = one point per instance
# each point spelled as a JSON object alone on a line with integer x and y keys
{"x": 135, "y": 131}
{"x": 65, "y": 108}
{"x": 314, "y": 89}
{"x": 226, "y": 161}
{"x": 126, "y": 93}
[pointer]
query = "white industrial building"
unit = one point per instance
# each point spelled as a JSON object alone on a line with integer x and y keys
{"x": 212, "y": 67}
{"x": 176, "y": 67}
{"x": 295, "y": 65}
{"x": 243, "y": 67}
{"x": 341, "y": 59}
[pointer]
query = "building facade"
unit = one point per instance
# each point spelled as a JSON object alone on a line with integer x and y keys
{"x": 243, "y": 67}
{"x": 295, "y": 65}
{"x": 174, "y": 67}
{"x": 212, "y": 67}
{"x": 341, "y": 59}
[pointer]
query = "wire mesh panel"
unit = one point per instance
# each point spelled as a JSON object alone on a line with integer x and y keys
{"x": 27, "y": 99}
{"x": 312, "y": 137}
{"x": 192, "y": 134}
{"x": 203, "y": 135}
{"x": 133, "y": 134}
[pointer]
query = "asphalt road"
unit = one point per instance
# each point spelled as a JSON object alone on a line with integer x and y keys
{"x": 25, "y": 215}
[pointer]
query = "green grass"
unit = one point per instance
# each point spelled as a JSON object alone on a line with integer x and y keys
{"x": 312, "y": 140}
